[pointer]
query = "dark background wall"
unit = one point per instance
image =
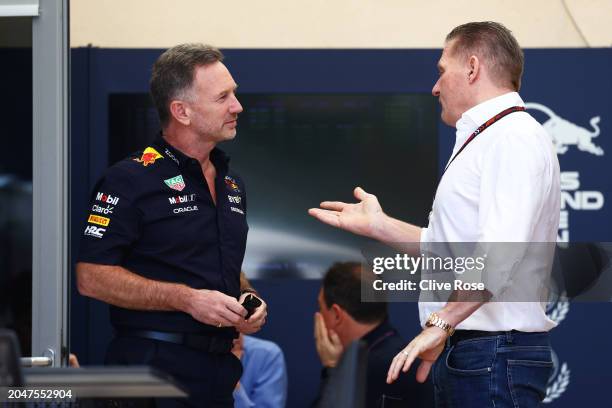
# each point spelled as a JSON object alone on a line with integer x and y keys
{"x": 16, "y": 193}
{"x": 573, "y": 83}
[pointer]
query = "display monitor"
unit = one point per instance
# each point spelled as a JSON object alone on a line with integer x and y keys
{"x": 295, "y": 150}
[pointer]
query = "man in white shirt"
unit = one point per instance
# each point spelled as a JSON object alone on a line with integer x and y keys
{"x": 501, "y": 185}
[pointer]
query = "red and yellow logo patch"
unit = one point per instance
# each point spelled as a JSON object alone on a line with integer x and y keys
{"x": 96, "y": 219}
{"x": 149, "y": 156}
{"x": 231, "y": 184}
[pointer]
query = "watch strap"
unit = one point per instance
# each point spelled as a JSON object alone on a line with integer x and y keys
{"x": 435, "y": 320}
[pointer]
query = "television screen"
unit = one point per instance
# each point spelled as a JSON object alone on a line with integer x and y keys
{"x": 295, "y": 150}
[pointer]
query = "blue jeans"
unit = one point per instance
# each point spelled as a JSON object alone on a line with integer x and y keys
{"x": 504, "y": 371}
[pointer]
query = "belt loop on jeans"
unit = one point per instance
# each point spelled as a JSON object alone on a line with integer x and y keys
{"x": 509, "y": 337}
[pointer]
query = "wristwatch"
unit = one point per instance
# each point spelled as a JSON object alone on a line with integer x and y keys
{"x": 435, "y": 320}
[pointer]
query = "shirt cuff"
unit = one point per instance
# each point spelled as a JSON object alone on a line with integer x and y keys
{"x": 424, "y": 234}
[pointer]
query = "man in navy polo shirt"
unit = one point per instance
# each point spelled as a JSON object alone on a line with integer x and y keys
{"x": 166, "y": 235}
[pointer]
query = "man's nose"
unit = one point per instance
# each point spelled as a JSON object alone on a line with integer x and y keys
{"x": 435, "y": 91}
{"x": 235, "y": 107}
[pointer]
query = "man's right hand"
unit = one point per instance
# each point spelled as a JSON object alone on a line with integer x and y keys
{"x": 328, "y": 343}
{"x": 118, "y": 286}
{"x": 215, "y": 308}
{"x": 362, "y": 218}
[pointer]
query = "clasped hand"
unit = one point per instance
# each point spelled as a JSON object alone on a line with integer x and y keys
{"x": 218, "y": 309}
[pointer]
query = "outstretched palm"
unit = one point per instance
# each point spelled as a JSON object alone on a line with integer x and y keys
{"x": 360, "y": 218}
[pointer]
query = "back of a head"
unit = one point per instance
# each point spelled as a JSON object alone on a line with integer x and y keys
{"x": 495, "y": 45}
{"x": 173, "y": 74}
{"x": 342, "y": 286}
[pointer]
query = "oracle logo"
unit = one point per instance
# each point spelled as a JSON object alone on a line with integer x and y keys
{"x": 185, "y": 209}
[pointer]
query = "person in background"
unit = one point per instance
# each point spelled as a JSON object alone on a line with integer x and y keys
{"x": 342, "y": 319}
{"x": 264, "y": 377}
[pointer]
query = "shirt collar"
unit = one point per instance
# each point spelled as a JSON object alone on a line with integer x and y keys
{"x": 381, "y": 331}
{"x": 479, "y": 114}
{"x": 217, "y": 156}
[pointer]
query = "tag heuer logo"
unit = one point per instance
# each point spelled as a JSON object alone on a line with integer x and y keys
{"x": 176, "y": 183}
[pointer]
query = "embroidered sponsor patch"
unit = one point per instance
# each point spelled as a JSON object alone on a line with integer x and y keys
{"x": 189, "y": 208}
{"x": 172, "y": 156}
{"x": 96, "y": 219}
{"x": 93, "y": 231}
{"x": 231, "y": 184}
{"x": 234, "y": 199}
{"x": 106, "y": 198}
{"x": 182, "y": 199}
{"x": 102, "y": 210}
{"x": 237, "y": 210}
{"x": 176, "y": 183}
{"x": 149, "y": 156}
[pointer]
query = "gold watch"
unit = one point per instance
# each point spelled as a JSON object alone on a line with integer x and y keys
{"x": 435, "y": 320}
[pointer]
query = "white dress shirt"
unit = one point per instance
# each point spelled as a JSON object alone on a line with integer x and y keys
{"x": 503, "y": 187}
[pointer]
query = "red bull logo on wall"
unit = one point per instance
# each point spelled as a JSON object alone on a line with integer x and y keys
{"x": 567, "y": 136}
{"x": 565, "y": 133}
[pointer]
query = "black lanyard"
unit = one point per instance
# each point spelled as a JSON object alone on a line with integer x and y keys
{"x": 481, "y": 129}
{"x": 478, "y": 131}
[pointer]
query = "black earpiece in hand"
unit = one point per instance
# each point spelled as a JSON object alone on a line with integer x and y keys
{"x": 250, "y": 304}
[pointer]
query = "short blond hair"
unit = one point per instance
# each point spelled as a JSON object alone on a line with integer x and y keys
{"x": 496, "y": 45}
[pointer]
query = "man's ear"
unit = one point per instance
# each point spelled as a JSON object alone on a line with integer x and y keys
{"x": 474, "y": 68}
{"x": 180, "y": 112}
{"x": 338, "y": 314}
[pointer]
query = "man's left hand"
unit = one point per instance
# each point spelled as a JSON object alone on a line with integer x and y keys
{"x": 427, "y": 346}
{"x": 257, "y": 320}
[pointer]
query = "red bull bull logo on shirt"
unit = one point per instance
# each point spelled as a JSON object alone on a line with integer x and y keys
{"x": 149, "y": 156}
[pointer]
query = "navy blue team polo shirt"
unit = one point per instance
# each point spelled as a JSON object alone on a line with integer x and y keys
{"x": 152, "y": 213}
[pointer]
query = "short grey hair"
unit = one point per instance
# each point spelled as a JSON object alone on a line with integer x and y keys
{"x": 173, "y": 74}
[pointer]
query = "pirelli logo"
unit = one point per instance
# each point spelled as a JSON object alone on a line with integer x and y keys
{"x": 96, "y": 219}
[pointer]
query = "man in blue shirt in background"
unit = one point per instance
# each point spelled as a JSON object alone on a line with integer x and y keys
{"x": 264, "y": 378}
